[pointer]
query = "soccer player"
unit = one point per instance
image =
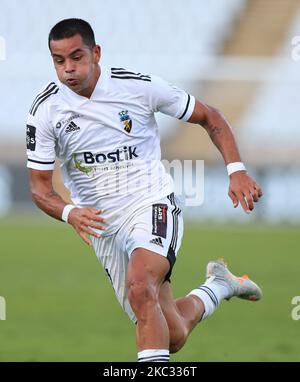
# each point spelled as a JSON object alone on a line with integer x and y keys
{"x": 99, "y": 122}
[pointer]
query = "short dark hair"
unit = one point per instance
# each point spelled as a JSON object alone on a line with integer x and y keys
{"x": 70, "y": 27}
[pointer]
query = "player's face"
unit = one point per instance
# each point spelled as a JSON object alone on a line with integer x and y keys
{"x": 75, "y": 63}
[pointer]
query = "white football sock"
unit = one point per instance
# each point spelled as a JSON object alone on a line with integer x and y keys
{"x": 210, "y": 293}
{"x": 154, "y": 355}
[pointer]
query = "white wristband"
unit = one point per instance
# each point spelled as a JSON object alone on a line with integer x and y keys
{"x": 68, "y": 208}
{"x": 235, "y": 166}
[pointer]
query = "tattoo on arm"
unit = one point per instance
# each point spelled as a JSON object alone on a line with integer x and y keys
{"x": 50, "y": 202}
{"x": 51, "y": 194}
{"x": 213, "y": 131}
{"x": 220, "y": 133}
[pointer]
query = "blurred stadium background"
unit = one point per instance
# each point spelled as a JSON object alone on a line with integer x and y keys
{"x": 237, "y": 55}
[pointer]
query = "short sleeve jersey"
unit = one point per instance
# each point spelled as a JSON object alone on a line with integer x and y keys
{"x": 108, "y": 145}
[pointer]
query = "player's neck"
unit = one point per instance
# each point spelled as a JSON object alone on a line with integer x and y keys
{"x": 90, "y": 89}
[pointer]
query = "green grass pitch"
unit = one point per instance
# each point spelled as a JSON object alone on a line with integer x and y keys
{"x": 61, "y": 307}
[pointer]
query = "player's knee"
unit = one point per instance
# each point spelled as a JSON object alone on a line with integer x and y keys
{"x": 141, "y": 295}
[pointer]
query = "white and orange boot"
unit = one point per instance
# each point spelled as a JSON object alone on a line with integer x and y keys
{"x": 242, "y": 287}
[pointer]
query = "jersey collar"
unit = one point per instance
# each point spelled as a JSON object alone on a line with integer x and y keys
{"x": 101, "y": 85}
{"x": 78, "y": 100}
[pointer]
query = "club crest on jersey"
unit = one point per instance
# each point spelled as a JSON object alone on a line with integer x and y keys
{"x": 126, "y": 120}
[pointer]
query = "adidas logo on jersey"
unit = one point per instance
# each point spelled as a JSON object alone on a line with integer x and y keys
{"x": 72, "y": 127}
{"x": 158, "y": 241}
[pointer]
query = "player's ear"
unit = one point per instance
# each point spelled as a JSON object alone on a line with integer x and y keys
{"x": 97, "y": 53}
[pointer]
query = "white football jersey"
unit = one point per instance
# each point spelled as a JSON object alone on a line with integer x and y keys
{"x": 108, "y": 145}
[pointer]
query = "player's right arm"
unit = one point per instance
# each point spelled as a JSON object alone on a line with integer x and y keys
{"x": 41, "y": 140}
{"x": 45, "y": 197}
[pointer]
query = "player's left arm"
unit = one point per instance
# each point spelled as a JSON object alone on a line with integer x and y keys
{"x": 242, "y": 188}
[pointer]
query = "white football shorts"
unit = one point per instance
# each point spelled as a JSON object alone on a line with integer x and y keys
{"x": 157, "y": 227}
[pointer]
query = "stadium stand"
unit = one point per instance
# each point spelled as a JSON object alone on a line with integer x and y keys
{"x": 273, "y": 116}
{"x": 233, "y": 54}
{"x": 130, "y": 35}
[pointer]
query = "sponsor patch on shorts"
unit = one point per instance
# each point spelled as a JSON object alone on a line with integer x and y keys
{"x": 159, "y": 220}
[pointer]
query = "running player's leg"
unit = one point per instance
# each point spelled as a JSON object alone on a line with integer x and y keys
{"x": 154, "y": 237}
{"x": 162, "y": 322}
{"x": 182, "y": 315}
{"x": 146, "y": 273}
